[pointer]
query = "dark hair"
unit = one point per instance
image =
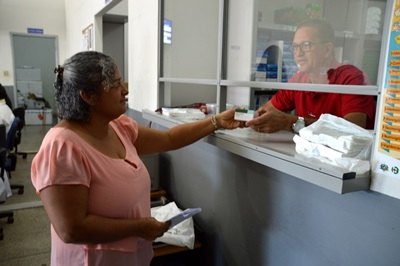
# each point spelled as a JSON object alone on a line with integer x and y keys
{"x": 88, "y": 71}
{"x": 325, "y": 30}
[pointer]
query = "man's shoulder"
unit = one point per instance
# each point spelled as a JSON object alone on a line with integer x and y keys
{"x": 347, "y": 68}
{"x": 299, "y": 77}
{"x": 346, "y": 74}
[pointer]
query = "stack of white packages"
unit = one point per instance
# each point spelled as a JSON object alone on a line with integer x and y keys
{"x": 336, "y": 141}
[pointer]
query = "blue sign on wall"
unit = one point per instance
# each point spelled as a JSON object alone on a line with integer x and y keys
{"x": 35, "y": 30}
{"x": 167, "y": 31}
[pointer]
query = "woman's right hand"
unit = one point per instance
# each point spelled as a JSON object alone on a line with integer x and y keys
{"x": 149, "y": 228}
{"x": 226, "y": 120}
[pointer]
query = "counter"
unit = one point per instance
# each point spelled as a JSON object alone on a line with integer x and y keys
{"x": 277, "y": 151}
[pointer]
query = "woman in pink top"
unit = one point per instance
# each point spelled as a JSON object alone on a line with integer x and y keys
{"x": 88, "y": 174}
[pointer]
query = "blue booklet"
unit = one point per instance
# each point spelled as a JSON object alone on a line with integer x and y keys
{"x": 180, "y": 217}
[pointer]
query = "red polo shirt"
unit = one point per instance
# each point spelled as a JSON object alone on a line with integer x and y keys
{"x": 313, "y": 104}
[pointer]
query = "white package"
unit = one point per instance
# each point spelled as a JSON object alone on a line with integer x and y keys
{"x": 180, "y": 235}
{"x": 327, "y": 155}
{"x": 341, "y": 135}
{"x": 184, "y": 113}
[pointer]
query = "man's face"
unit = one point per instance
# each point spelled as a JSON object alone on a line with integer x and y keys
{"x": 308, "y": 51}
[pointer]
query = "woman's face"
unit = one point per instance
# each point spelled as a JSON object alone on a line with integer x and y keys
{"x": 308, "y": 51}
{"x": 112, "y": 101}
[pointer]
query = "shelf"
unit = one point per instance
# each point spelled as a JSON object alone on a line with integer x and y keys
{"x": 280, "y": 156}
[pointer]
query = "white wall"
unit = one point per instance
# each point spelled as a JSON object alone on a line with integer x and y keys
{"x": 143, "y": 44}
{"x": 240, "y": 45}
{"x": 121, "y": 9}
{"x": 79, "y": 15}
{"x": 143, "y": 54}
{"x": 16, "y": 16}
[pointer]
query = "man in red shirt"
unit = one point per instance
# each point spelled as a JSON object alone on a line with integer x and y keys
{"x": 313, "y": 51}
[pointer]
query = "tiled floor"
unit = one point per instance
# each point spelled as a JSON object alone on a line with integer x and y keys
{"x": 27, "y": 241}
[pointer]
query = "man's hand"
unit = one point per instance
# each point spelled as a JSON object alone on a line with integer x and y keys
{"x": 271, "y": 121}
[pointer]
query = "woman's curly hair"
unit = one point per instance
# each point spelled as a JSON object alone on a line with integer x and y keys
{"x": 88, "y": 71}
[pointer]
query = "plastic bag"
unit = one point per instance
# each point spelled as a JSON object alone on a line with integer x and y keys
{"x": 327, "y": 155}
{"x": 338, "y": 142}
{"x": 340, "y": 135}
{"x": 180, "y": 235}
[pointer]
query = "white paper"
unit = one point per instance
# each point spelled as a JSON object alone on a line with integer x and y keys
{"x": 184, "y": 113}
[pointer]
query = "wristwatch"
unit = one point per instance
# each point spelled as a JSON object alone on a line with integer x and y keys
{"x": 299, "y": 124}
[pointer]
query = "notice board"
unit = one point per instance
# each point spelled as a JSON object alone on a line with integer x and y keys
{"x": 386, "y": 155}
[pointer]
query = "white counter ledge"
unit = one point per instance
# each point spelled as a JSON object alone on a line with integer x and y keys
{"x": 276, "y": 151}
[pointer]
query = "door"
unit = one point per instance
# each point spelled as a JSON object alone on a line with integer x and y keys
{"x": 114, "y": 40}
{"x": 39, "y": 52}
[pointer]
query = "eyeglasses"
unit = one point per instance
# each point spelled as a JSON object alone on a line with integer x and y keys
{"x": 304, "y": 46}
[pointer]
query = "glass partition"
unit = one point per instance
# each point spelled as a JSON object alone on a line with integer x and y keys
{"x": 264, "y": 48}
{"x": 300, "y": 40}
{"x": 242, "y": 53}
{"x": 190, "y": 41}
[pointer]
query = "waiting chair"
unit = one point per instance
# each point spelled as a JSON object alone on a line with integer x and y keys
{"x": 20, "y": 113}
{"x": 11, "y": 145}
{"x": 3, "y": 157}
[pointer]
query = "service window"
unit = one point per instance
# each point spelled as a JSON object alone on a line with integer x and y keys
{"x": 189, "y": 59}
{"x": 350, "y": 35}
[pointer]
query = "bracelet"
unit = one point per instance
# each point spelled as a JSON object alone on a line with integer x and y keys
{"x": 214, "y": 122}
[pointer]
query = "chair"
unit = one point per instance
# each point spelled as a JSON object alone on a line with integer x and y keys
{"x": 3, "y": 150}
{"x": 20, "y": 113}
{"x": 11, "y": 145}
{"x": 3, "y": 157}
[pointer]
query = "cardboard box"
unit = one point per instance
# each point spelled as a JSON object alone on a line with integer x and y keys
{"x": 38, "y": 117}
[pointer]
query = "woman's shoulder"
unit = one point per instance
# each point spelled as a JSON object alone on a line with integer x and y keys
{"x": 125, "y": 121}
{"x": 126, "y": 126}
{"x": 61, "y": 136}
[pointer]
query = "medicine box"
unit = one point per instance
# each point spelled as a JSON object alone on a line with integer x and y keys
{"x": 38, "y": 117}
{"x": 244, "y": 114}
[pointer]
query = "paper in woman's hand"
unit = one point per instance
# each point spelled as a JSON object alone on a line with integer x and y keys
{"x": 180, "y": 217}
